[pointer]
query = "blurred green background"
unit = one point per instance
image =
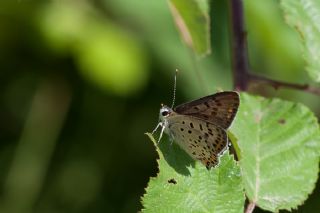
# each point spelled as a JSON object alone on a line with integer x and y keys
{"x": 82, "y": 81}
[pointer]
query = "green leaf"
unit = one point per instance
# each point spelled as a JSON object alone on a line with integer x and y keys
{"x": 280, "y": 146}
{"x": 184, "y": 185}
{"x": 192, "y": 19}
{"x": 303, "y": 16}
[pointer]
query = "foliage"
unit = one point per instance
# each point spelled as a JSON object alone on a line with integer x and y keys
{"x": 192, "y": 19}
{"x": 303, "y": 16}
{"x": 280, "y": 146}
{"x": 187, "y": 186}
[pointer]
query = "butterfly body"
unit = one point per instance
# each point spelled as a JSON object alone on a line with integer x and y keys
{"x": 199, "y": 127}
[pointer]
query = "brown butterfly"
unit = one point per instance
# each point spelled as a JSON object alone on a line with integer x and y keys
{"x": 199, "y": 127}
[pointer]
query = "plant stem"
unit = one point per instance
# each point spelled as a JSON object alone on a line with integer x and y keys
{"x": 250, "y": 207}
{"x": 242, "y": 77}
{"x": 255, "y": 79}
{"x": 239, "y": 50}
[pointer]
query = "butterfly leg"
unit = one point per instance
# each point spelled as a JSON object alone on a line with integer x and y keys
{"x": 162, "y": 130}
{"x": 155, "y": 129}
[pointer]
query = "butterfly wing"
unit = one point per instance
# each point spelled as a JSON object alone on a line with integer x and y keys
{"x": 202, "y": 140}
{"x": 219, "y": 108}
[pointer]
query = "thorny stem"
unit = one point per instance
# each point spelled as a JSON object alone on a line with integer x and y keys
{"x": 242, "y": 77}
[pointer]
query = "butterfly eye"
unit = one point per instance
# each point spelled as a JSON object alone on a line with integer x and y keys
{"x": 164, "y": 113}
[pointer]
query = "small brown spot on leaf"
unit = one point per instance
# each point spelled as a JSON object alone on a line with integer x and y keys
{"x": 172, "y": 181}
{"x": 257, "y": 116}
{"x": 282, "y": 121}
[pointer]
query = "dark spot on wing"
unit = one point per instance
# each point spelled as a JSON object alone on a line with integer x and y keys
{"x": 213, "y": 113}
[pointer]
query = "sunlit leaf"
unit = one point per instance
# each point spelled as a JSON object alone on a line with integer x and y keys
{"x": 279, "y": 143}
{"x": 303, "y": 16}
{"x": 192, "y": 19}
{"x": 184, "y": 185}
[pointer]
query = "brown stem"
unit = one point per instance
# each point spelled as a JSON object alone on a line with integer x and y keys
{"x": 240, "y": 65}
{"x": 254, "y": 79}
{"x": 239, "y": 54}
{"x": 250, "y": 207}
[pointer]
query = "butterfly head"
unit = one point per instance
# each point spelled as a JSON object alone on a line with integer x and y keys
{"x": 165, "y": 112}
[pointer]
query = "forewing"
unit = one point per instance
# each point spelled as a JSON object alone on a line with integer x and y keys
{"x": 202, "y": 140}
{"x": 220, "y": 108}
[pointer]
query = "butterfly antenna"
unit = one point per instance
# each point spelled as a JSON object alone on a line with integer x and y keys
{"x": 174, "y": 88}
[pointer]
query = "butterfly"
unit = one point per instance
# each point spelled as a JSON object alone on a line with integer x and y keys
{"x": 200, "y": 127}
